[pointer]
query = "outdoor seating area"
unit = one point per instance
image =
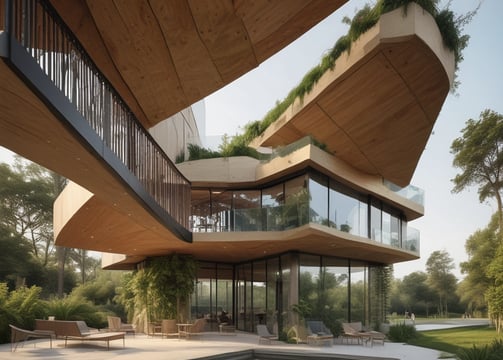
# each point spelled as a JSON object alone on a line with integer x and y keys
{"x": 77, "y": 330}
{"x": 356, "y": 331}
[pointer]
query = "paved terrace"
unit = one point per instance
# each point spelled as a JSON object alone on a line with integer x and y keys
{"x": 156, "y": 348}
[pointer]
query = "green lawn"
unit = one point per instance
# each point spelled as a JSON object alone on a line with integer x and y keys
{"x": 450, "y": 340}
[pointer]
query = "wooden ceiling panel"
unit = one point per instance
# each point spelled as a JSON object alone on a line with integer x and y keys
{"x": 145, "y": 65}
{"x": 163, "y": 56}
{"x": 263, "y": 17}
{"x": 415, "y": 63}
{"x": 294, "y": 27}
{"x": 218, "y": 27}
{"x": 196, "y": 71}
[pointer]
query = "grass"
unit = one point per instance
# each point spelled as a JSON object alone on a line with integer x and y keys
{"x": 453, "y": 339}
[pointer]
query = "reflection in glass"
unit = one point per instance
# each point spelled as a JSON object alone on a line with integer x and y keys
{"x": 318, "y": 193}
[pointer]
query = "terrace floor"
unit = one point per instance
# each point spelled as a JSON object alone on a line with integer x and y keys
{"x": 155, "y": 348}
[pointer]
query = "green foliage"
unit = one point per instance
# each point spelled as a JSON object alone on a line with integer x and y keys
{"x": 478, "y": 154}
{"x": 19, "y": 307}
{"x": 494, "y": 351}
{"x": 453, "y": 339}
{"x": 161, "y": 290}
{"x": 74, "y": 308}
{"x": 402, "y": 332}
{"x": 440, "y": 278}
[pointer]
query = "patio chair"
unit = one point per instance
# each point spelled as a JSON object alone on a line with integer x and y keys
{"x": 265, "y": 335}
{"x": 17, "y": 335}
{"x": 318, "y": 333}
{"x": 371, "y": 336}
{"x": 196, "y": 329}
{"x": 115, "y": 324}
{"x": 169, "y": 328}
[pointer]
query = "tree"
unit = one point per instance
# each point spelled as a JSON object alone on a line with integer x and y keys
{"x": 479, "y": 156}
{"x": 478, "y": 153}
{"x": 417, "y": 292}
{"x": 480, "y": 250}
{"x": 440, "y": 279}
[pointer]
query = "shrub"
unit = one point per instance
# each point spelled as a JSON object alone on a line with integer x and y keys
{"x": 19, "y": 307}
{"x": 402, "y": 332}
{"x": 75, "y": 308}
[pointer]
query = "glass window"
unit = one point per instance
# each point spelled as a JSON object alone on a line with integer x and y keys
{"x": 201, "y": 213}
{"x": 358, "y": 291}
{"x": 318, "y": 194}
{"x": 259, "y": 293}
{"x": 272, "y": 203}
{"x": 346, "y": 211}
{"x": 296, "y": 202}
{"x": 273, "y": 292}
{"x": 247, "y": 212}
{"x": 221, "y": 205}
{"x": 376, "y": 221}
{"x": 335, "y": 279}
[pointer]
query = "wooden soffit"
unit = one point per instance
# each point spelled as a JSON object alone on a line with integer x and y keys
{"x": 377, "y": 107}
{"x": 162, "y": 56}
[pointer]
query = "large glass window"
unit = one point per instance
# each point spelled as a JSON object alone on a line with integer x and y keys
{"x": 336, "y": 288}
{"x": 318, "y": 194}
{"x": 376, "y": 220}
{"x": 273, "y": 292}
{"x": 247, "y": 210}
{"x": 259, "y": 293}
{"x": 272, "y": 201}
{"x": 347, "y": 210}
{"x": 221, "y": 205}
{"x": 296, "y": 202}
{"x": 358, "y": 291}
{"x": 200, "y": 219}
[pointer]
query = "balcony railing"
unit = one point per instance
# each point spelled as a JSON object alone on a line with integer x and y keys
{"x": 410, "y": 192}
{"x": 39, "y": 30}
{"x": 284, "y": 217}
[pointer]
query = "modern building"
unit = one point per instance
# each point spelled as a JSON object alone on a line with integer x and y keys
{"x": 101, "y": 92}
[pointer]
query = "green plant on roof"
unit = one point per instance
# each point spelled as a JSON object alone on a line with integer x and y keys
{"x": 450, "y": 26}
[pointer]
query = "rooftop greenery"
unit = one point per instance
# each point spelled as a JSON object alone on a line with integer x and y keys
{"x": 450, "y": 27}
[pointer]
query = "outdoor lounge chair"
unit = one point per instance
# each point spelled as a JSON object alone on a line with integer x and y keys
{"x": 77, "y": 330}
{"x": 318, "y": 333}
{"x": 17, "y": 335}
{"x": 115, "y": 324}
{"x": 265, "y": 335}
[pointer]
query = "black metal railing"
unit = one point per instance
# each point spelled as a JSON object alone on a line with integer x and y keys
{"x": 40, "y": 30}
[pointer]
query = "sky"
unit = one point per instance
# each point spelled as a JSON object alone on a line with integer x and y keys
{"x": 449, "y": 218}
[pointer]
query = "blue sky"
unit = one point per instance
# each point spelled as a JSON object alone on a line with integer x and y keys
{"x": 449, "y": 218}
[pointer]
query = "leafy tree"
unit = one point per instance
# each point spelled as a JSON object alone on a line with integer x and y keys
{"x": 440, "y": 278}
{"x": 417, "y": 292}
{"x": 480, "y": 249}
{"x": 479, "y": 156}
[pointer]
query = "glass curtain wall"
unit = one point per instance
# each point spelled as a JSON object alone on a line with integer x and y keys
{"x": 308, "y": 198}
{"x": 348, "y": 210}
{"x": 267, "y": 291}
{"x": 359, "y": 292}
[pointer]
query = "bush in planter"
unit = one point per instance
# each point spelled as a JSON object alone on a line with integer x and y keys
{"x": 402, "y": 332}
